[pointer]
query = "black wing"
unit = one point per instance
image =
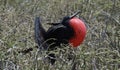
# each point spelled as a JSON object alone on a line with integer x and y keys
{"x": 59, "y": 32}
{"x": 39, "y": 33}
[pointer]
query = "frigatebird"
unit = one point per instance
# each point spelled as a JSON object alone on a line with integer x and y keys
{"x": 71, "y": 30}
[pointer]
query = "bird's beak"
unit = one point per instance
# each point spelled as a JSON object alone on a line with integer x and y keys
{"x": 70, "y": 18}
{"x": 75, "y": 14}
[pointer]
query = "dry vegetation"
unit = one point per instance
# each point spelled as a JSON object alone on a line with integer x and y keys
{"x": 100, "y": 50}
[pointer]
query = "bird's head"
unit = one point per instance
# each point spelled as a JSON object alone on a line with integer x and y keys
{"x": 66, "y": 19}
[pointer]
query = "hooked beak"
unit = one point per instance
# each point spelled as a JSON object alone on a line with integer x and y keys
{"x": 75, "y": 14}
{"x": 72, "y": 16}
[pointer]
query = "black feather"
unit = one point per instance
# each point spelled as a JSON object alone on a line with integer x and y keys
{"x": 40, "y": 33}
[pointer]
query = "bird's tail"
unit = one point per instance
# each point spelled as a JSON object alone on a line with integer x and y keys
{"x": 39, "y": 33}
{"x": 39, "y": 36}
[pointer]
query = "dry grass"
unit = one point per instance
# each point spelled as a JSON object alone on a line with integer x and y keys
{"x": 100, "y": 50}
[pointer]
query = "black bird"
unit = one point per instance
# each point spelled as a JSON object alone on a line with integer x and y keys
{"x": 70, "y": 30}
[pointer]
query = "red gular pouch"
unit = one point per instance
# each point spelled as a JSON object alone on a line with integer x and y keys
{"x": 79, "y": 31}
